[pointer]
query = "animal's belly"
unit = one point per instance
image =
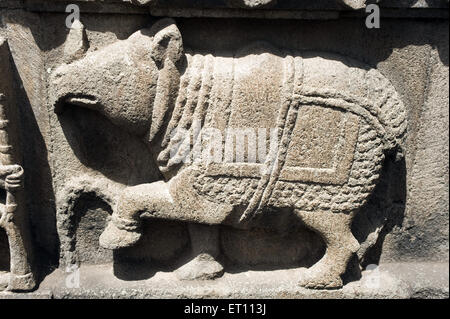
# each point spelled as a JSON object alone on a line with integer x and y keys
{"x": 341, "y": 184}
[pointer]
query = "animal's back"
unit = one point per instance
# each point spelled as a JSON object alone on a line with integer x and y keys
{"x": 329, "y": 150}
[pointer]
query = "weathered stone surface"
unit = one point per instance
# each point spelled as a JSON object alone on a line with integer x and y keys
{"x": 321, "y": 173}
{"x": 76, "y": 42}
{"x": 258, "y": 4}
{"x": 362, "y": 167}
{"x": 14, "y": 219}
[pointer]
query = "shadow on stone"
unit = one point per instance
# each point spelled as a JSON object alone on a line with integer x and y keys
{"x": 88, "y": 221}
{"x": 287, "y": 245}
{"x": 4, "y": 251}
{"x": 103, "y": 147}
{"x": 164, "y": 246}
{"x": 384, "y": 211}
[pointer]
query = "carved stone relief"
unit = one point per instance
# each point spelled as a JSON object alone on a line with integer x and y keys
{"x": 167, "y": 156}
{"x": 13, "y": 213}
{"x": 323, "y": 172}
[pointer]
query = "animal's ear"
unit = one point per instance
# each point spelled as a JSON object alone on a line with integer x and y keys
{"x": 167, "y": 42}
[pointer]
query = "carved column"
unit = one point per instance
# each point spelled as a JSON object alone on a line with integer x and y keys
{"x": 13, "y": 211}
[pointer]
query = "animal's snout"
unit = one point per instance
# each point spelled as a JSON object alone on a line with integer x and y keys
{"x": 108, "y": 86}
{"x": 66, "y": 87}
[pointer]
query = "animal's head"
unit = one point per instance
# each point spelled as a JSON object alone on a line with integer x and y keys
{"x": 127, "y": 81}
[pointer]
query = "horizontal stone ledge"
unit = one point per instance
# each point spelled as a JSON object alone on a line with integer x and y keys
{"x": 111, "y": 7}
{"x": 262, "y": 4}
{"x": 271, "y": 5}
{"x": 296, "y": 14}
{"x": 391, "y": 280}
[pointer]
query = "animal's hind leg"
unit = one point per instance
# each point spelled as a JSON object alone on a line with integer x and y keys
{"x": 335, "y": 229}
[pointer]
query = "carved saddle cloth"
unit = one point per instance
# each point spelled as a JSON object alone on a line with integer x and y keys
{"x": 287, "y": 134}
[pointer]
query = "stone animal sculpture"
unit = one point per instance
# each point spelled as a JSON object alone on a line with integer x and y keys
{"x": 333, "y": 121}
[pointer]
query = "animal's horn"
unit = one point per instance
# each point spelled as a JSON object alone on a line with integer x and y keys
{"x": 76, "y": 43}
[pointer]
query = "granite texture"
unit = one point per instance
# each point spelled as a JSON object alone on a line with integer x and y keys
{"x": 89, "y": 122}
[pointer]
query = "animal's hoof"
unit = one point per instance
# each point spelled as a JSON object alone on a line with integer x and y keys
{"x": 202, "y": 267}
{"x": 4, "y": 280}
{"x": 314, "y": 279}
{"x": 115, "y": 238}
{"x": 21, "y": 282}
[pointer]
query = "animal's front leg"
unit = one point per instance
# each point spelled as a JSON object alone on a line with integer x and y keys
{"x": 124, "y": 229}
{"x": 205, "y": 249}
{"x": 171, "y": 201}
{"x": 335, "y": 230}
